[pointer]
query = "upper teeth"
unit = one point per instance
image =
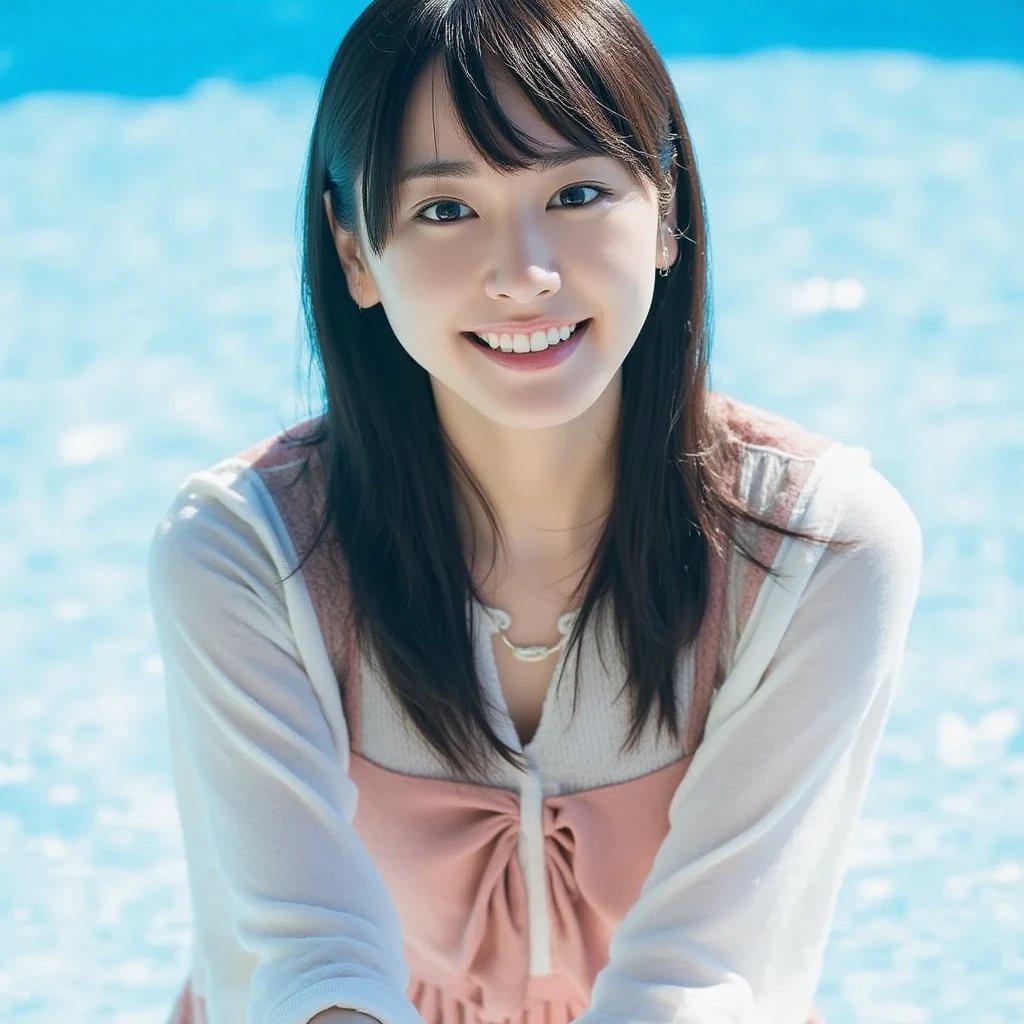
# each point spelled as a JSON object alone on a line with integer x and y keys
{"x": 536, "y": 342}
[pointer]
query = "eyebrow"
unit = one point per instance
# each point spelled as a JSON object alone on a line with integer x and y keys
{"x": 465, "y": 169}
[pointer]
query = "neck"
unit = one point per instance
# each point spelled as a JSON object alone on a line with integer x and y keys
{"x": 551, "y": 488}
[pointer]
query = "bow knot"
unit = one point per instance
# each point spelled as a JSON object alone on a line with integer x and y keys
{"x": 560, "y": 852}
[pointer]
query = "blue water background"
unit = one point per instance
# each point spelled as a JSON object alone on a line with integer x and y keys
{"x": 863, "y": 171}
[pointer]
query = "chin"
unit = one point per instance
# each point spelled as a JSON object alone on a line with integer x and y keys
{"x": 541, "y": 408}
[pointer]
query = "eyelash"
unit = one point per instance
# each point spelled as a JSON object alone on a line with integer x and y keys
{"x": 437, "y": 202}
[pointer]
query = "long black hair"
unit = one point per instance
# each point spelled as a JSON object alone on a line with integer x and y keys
{"x": 388, "y": 469}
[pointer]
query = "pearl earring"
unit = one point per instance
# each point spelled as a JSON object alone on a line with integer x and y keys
{"x": 663, "y": 271}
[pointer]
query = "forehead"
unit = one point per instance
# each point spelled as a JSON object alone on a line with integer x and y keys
{"x": 431, "y": 127}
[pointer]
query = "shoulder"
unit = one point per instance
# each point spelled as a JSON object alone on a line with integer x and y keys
{"x": 225, "y": 518}
{"x": 797, "y": 477}
{"x": 873, "y": 520}
{"x": 745, "y": 428}
{"x": 288, "y": 447}
{"x": 857, "y": 591}
{"x": 760, "y": 458}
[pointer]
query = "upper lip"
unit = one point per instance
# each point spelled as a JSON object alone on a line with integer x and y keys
{"x": 525, "y": 326}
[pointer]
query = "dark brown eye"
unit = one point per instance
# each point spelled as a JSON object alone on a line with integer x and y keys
{"x": 575, "y": 195}
{"x": 446, "y": 210}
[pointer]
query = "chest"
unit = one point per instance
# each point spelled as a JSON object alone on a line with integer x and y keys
{"x": 535, "y": 596}
{"x": 524, "y": 685}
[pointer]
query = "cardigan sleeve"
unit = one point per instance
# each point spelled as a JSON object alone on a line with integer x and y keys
{"x": 733, "y": 920}
{"x": 264, "y": 798}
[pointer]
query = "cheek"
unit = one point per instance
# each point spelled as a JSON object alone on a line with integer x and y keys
{"x": 420, "y": 288}
{"x": 625, "y": 255}
{"x": 626, "y": 244}
{"x": 621, "y": 274}
{"x": 428, "y": 271}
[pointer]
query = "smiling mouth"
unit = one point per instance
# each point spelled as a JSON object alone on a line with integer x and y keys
{"x": 539, "y": 341}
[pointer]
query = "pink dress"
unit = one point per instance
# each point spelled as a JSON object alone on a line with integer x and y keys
{"x": 451, "y": 854}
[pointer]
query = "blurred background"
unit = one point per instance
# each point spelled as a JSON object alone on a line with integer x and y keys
{"x": 864, "y": 173}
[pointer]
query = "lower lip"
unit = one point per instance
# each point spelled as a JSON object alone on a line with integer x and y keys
{"x": 551, "y": 356}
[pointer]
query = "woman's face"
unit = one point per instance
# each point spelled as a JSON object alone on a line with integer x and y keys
{"x": 475, "y": 250}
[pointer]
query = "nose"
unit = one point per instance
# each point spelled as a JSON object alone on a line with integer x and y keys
{"x": 522, "y": 268}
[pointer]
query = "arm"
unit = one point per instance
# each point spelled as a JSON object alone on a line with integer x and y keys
{"x": 733, "y": 920}
{"x": 291, "y": 914}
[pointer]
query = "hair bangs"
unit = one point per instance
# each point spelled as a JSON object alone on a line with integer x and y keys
{"x": 573, "y": 63}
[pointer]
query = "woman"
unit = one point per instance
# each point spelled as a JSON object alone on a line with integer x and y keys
{"x": 520, "y": 466}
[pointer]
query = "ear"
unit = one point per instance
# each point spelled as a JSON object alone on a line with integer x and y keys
{"x": 667, "y": 236}
{"x": 357, "y": 275}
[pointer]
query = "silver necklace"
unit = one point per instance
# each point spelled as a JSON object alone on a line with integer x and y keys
{"x": 531, "y": 652}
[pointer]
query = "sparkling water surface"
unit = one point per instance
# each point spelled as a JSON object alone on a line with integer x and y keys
{"x": 866, "y": 222}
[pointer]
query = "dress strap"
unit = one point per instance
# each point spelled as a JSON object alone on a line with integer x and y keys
{"x": 765, "y": 461}
{"x": 294, "y": 478}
